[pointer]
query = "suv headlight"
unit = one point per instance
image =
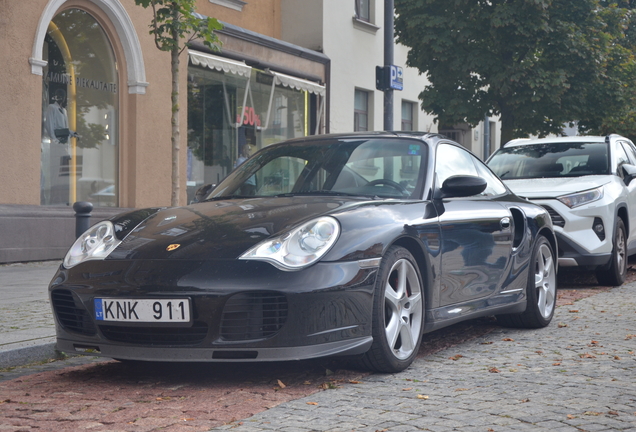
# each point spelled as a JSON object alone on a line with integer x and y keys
{"x": 580, "y": 198}
{"x": 298, "y": 248}
{"x": 95, "y": 244}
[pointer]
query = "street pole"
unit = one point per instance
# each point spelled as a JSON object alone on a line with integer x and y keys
{"x": 388, "y": 61}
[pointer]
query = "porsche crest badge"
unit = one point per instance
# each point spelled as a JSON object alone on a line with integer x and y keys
{"x": 173, "y": 247}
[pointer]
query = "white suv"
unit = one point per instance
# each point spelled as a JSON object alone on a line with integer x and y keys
{"x": 585, "y": 183}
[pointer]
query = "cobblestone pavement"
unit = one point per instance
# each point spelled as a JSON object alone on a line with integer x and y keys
{"x": 578, "y": 374}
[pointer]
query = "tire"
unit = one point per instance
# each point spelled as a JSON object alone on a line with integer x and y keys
{"x": 615, "y": 273}
{"x": 540, "y": 290}
{"x": 398, "y": 314}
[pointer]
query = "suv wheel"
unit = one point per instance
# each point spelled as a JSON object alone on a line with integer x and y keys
{"x": 615, "y": 273}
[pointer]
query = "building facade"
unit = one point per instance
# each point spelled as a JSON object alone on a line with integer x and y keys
{"x": 85, "y": 112}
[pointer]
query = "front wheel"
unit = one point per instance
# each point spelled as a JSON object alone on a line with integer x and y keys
{"x": 616, "y": 273}
{"x": 398, "y": 313}
{"x": 540, "y": 290}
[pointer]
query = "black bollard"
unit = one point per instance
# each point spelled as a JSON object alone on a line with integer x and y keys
{"x": 82, "y": 216}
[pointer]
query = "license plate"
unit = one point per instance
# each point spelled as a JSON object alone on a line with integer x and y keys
{"x": 142, "y": 310}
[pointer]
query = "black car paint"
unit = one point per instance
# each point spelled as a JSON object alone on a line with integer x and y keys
{"x": 331, "y": 300}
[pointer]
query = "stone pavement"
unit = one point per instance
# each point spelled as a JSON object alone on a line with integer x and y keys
{"x": 578, "y": 374}
{"x": 27, "y": 331}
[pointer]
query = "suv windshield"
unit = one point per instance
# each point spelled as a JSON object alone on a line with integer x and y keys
{"x": 388, "y": 168}
{"x": 550, "y": 160}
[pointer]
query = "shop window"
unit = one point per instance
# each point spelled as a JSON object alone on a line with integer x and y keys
{"x": 80, "y": 113}
{"x": 234, "y": 110}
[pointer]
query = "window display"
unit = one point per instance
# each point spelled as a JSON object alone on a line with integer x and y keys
{"x": 79, "y": 113}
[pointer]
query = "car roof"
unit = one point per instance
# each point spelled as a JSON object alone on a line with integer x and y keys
{"x": 557, "y": 140}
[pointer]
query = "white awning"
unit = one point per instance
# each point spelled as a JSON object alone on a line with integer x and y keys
{"x": 219, "y": 63}
{"x": 298, "y": 84}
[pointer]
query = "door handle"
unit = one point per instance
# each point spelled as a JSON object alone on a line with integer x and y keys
{"x": 505, "y": 223}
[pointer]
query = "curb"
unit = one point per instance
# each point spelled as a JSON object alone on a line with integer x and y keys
{"x": 26, "y": 355}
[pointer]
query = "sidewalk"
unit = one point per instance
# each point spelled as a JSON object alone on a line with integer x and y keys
{"x": 27, "y": 331}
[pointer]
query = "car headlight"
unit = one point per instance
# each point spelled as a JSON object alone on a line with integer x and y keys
{"x": 580, "y": 198}
{"x": 298, "y": 248}
{"x": 95, "y": 244}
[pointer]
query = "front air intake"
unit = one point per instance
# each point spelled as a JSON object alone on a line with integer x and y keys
{"x": 71, "y": 314}
{"x": 253, "y": 315}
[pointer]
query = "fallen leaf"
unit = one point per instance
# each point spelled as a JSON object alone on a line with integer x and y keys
{"x": 592, "y": 413}
{"x": 281, "y": 385}
{"x": 312, "y": 403}
{"x": 594, "y": 342}
{"x": 508, "y": 340}
{"x": 573, "y": 311}
{"x": 587, "y": 355}
{"x": 617, "y": 358}
{"x": 163, "y": 398}
{"x": 307, "y": 383}
{"x": 630, "y": 336}
{"x": 407, "y": 389}
{"x": 381, "y": 430}
{"x": 456, "y": 357}
{"x": 355, "y": 382}
{"x": 422, "y": 397}
{"x": 561, "y": 325}
{"x": 486, "y": 343}
{"x": 493, "y": 370}
{"x": 490, "y": 430}
{"x": 539, "y": 352}
{"x": 525, "y": 400}
{"x": 556, "y": 364}
{"x": 571, "y": 416}
{"x": 615, "y": 413}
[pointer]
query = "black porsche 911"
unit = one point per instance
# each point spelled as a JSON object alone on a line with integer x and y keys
{"x": 333, "y": 245}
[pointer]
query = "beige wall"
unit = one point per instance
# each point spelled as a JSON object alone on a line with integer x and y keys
{"x": 260, "y": 16}
{"x": 145, "y": 155}
{"x": 20, "y": 96}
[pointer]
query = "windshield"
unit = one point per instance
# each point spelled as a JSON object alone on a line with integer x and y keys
{"x": 550, "y": 160}
{"x": 388, "y": 168}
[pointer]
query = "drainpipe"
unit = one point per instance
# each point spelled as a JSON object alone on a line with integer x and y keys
{"x": 388, "y": 61}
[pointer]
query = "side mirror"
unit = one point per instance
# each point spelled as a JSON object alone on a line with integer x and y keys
{"x": 629, "y": 173}
{"x": 203, "y": 192}
{"x": 462, "y": 186}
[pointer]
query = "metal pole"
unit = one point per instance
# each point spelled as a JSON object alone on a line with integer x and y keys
{"x": 486, "y": 137}
{"x": 388, "y": 61}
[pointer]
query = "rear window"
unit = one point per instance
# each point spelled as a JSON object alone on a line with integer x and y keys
{"x": 550, "y": 160}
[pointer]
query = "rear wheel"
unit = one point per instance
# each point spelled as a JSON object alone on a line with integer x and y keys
{"x": 398, "y": 313}
{"x": 615, "y": 274}
{"x": 540, "y": 290}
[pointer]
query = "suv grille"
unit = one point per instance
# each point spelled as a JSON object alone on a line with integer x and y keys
{"x": 156, "y": 335}
{"x": 71, "y": 314}
{"x": 557, "y": 219}
{"x": 253, "y": 315}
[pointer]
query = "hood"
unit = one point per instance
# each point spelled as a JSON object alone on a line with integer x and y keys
{"x": 220, "y": 229}
{"x": 554, "y": 187}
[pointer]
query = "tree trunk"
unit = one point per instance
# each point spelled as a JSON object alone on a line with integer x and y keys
{"x": 507, "y": 125}
{"x": 176, "y": 181}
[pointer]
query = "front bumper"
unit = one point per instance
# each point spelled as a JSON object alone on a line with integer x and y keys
{"x": 578, "y": 243}
{"x": 241, "y": 310}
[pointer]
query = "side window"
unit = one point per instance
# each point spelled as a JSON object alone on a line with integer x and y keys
{"x": 495, "y": 186}
{"x": 452, "y": 160}
{"x": 621, "y": 155}
{"x": 630, "y": 150}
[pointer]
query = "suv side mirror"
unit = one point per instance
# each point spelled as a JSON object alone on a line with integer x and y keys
{"x": 462, "y": 186}
{"x": 629, "y": 173}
